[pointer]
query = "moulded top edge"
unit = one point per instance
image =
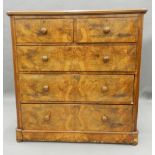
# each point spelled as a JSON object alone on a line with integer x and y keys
{"x": 76, "y": 12}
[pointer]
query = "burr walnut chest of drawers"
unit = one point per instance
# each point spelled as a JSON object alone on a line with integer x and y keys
{"x": 77, "y": 75}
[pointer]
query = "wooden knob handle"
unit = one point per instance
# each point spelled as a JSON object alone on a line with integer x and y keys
{"x": 106, "y": 59}
{"x": 76, "y": 76}
{"x": 45, "y": 58}
{"x": 47, "y": 116}
{"x": 106, "y": 29}
{"x": 43, "y": 30}
{"x": 45, "y": 88}
{"x": 104, "y": 88}
{"x": 104, "y": 118}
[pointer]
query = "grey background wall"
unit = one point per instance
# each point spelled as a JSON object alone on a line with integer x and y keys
{"x": 14, "y": 5}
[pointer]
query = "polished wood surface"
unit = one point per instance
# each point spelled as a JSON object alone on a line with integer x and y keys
{"x": 107, "y": 30}
{"x": 77, "y": 12}
{"x": 77, "y": 75}
{"x": 76, "y": 87}
{"x": 74, "y": 117}
{"x": 77, "y": 58}
{"x": 105, "y": 137}
{"x": 40, "y": 30}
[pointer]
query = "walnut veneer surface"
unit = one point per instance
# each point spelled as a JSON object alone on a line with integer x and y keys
{"x": 77, "y": 75}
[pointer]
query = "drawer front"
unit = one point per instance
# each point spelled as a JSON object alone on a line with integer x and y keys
{"x": 69, "y": 117}
{"x": 44, "y": 30}
{"x": 74, "y": 117}
{"x": 107, "y": 30}
{"x": 77, "y": 58}
{"x": 76, "y": 87}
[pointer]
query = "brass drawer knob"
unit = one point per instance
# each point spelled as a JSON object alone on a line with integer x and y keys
{"x": 47, "y": 116}
{"x": 106, "y": 59}
{"x": 104, "y": 88}
{"x": 45, "y": 58}
{"x": 104, "y": 118}
{"x": 43, "y": 30}
{"x": 46, "y": 88}
{"x": 106, "y": 29}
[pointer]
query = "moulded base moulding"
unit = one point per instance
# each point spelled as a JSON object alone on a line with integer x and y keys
{"x": 77, "y": 136}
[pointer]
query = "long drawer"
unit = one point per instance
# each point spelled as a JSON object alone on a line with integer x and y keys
{"x": 77, "y": 58}
{"x": 76, "y": 87}
{"x": 74, "y": 117}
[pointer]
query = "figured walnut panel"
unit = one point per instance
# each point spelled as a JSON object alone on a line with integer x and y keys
{"x": 79, "y": 79}
{"x": 77, "y": 58}
{"x": 103, "y": 137}
{"x": 76, "y": 87}
{"x": 107, "y": 30}
{"x": 73, "y": 117}
{"x": 44, "y": 30}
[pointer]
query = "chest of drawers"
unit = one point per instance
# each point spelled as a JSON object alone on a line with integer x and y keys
{"x": 77, "y": 75}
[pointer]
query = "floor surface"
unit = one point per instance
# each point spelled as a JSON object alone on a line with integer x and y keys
{"x": 11, "y": 147}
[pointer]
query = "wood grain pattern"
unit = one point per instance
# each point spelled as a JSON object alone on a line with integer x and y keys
{"x": 137, "y": 76}
{"x": 94, "y": 137}
{"x": 74, "y": 17}
{"x": 77, "y": 58}
{"x": 77, "y": 75}
{"x": 57, "y": 30}
{"x": 73, "y": 117}
{"x": 120, "y": 30}
{"x": 19, "y": 123}
{"x": 76, "y": 87}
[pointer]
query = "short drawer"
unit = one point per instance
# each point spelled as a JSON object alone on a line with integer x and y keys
{"x": 44, "y": 30}
{"x": 76, "y": 87}
{"x": 74, "y": 117}
{"x": 77, "y": 58}
{"x": 107, "y": 30}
